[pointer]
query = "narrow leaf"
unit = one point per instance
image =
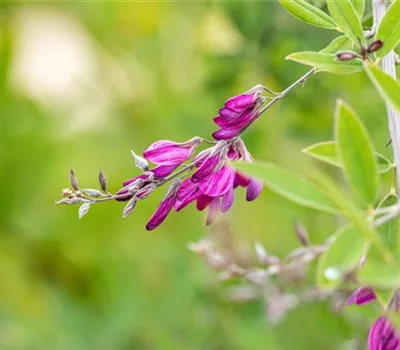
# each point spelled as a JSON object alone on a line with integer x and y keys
{"x": 346, "y": 17}
{"x": 289, "y": 185}
{"x": 389, "y": 29}
{"x": 377, "y": 274}
{"x": 341, "y": 43}
{"x": 324, "y": 62}
{"x": 387, "y": 87}
{"x": 308, "y": 13}
{"x": 328, "y": 152}
{"x": 388, "y": 231}
{"x": 343, "y": 255}
{"x": 356, "y": 152}
{"x": 359, "y": 6}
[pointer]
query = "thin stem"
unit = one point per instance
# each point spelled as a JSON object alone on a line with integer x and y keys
{"x": 389, "y": 67}
{"x": 279, "y": 96}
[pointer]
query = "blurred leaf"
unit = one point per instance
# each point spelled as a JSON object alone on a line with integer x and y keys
{"x": 324, "y": 62}
{"x": 357, "y": 153}
{"x": 346, "y": 17}
{"x": 338, "y": 44}
{"x": 343, "y": 255}
{"x": 328, "y": 152}
{"x": 380, "y": 275}
{"x": 388, "y": 230}
{"x": 289, "y": 185}
{"x": 308, "y": 13}
{"x": 389, "y": 29}
{"x": 359, "y": 6}
{"x": 387, "y": 87}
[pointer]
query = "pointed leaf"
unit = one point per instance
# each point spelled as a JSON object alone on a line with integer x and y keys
{"x": 355, "y": 148}
{"x": 346, "y": 17}
{"x": 389, "y": 29}
{"x": 308, "y": 13}
{"x": 328, "y": 152}
{"x": 380, "y": 275}
{"x": 324, "y": 62}
{"x": 388, "y": 230}
{"x": 343, "y": 255}
{"x": 359, "y": 6}
{"x": 289, "y": 185}
{"x": 387, "y": 87}
{"x": 341, "y": 43}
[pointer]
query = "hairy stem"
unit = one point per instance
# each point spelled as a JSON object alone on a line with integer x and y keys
{"x": 389, "y": 67}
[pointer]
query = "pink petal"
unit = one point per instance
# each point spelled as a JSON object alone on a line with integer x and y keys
{"x": 382, "y": 336}
{"x": 228, "y": 114}
{"x": 168, "y": 155}
{"x": 227, "y": 200}
{"x": 226, "y": 134}
{"x": 206, "y": 168}
{"x": 241, "y": 180}
{"x": 254, "y": 189}
{"x": 203, "y": 202}
{"x": 213, "y": 210}
{"x": 218, "y": 183}
{"x": 241, "y": 102}
{"x": 187, "y": 193}
{"x": 165, "y": 207}
{"x": 161, "y": 171}
{"x": 361, "y": 296}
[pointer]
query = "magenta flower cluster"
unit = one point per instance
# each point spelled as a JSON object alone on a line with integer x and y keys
{"x": 207, "y": 178}
{"x": 382, "y": 334}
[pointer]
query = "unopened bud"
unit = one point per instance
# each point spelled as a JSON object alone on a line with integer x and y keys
{"x": 140, "y": 162}
{"x": 74, "y": 180}
{"x": 102, "y": 180}
{"x": 83, "y": 210}
{"x": 302, "y": 234}
{"x": 91, "y": 192}
{"x": 375, "y": 46}
{"x": 144, "y": 192}
{"x": 129, "y": 208}
{"x": 346, "y": 56}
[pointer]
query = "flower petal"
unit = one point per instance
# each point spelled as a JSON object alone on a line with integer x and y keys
{"x": 213, "y": 210}
{"x": 161, "y": 171}
{"x": 361, "y": 296}
{"x": 241, "y": 180}
{"x": 206, "y": 168}
{"x": 203, "y": 202}
{"x": 165, "y": 207}
{"x": 167, "y": 152}
{"x": 227, "y": 200}
{"x": 188, "y": 192}
{"x": 241, "y": 102}
{"x": 254, "y": 189}
{"x": 219, "y": 183}
{"x": 226, "y": 134}
{"x": 228, "y": 114}
{"x": 382, "y": 336}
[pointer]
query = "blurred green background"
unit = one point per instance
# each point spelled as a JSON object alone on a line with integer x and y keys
{"x": 83, "y": 83}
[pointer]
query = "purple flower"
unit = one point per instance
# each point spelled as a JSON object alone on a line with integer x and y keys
{"x": 165, "y": 207}
{"x": 133, "y": 185}
{"x": 169, "y": 155}
{"x": 361, "y": 296}
{"x": 383, "y": 336}
{"x": 237, "y": 113}
{"x": 188, "y": 192}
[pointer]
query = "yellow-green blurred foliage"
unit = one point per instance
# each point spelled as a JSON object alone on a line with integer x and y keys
{"x": 83, "y": 83}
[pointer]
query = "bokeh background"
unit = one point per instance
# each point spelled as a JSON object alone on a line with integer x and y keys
{"x": 83, "y": 83}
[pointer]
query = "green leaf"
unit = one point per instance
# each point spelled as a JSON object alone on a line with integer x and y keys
{"x": 359, "y": 6}
{"x": 356, "y": 152}
{"x": 289, "y": 185}
{"x": 328, "y": 152}
{"x": 380, "y": 275}
{"x": 324, "y": 62}
{"x": 341, "y": 43}
{"x": 346, "y": 17}
{"x": 308, "y": 13}
{"x": 387, "y": 87}
{"x": 343, "y": 255}
{"x": 389, "y": 29}
{"x": 388, "y": 231}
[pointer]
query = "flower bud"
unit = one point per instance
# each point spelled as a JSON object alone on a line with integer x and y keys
{"x": 102, "y": 180}
{"x": 74, "y": 180}
{"x": 375, "y": 46}
{"x": 346, "y": 56}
